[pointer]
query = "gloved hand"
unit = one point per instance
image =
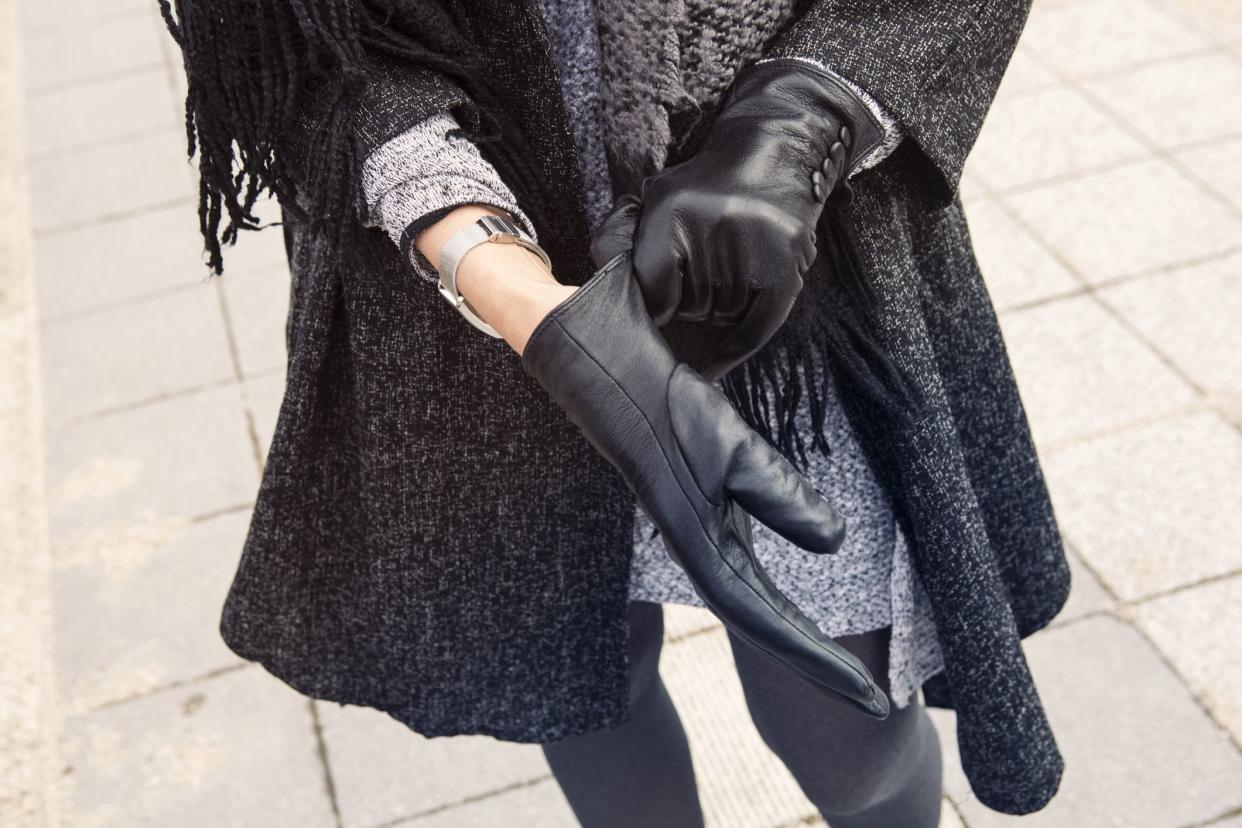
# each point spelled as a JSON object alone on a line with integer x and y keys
{"x": 697, "y": 471}
{"x": 726, "y": 236}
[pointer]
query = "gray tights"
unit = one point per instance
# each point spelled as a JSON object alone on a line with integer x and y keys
{"x": 859, "y": 773}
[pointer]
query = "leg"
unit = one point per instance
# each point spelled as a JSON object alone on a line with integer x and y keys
{"x": 859, "y": 772}
{"x": 639, "y": 773}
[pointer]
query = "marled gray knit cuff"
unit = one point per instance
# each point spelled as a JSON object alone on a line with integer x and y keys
{"x": 892, "y": 130}
{"x": 425, "y": 169}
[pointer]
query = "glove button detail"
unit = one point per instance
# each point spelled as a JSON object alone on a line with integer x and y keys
{"x": 845, "y": 135}
{"x": 817, "y": 186}
{"x": 837, "y": 153}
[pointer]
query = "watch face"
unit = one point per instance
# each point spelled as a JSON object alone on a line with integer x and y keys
{"x": 497, "y": 226}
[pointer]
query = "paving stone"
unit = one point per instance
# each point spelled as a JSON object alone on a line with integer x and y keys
{"x": 1197, "y": 630}
{"x": 156, "y": 589}
{"x": 1138, "y": 750}
{"x": 1024, "y": 139}
{"x": 1134, "y": 219}
{"x": 1149, "y": 508}
{"x": 741, "y": 783}
{"x": 1087, "y": 595}
{"x": 384, "y": 771}
{"x": 1017, "y": 268}
{"x": 264, "y": 396}
{"x": 956, "y": 786}
{"x": 1025, "y": 73}
{"x": 1083, "y": 39}
{"x": 1080, "y": 372}
{"x": 1200, "y": 337}
{"x": 681, "y": 620}
{"x": 971, "y": 189}
{"x": 42, "y": 16}
{"x": 109, "y": 46}
{"x": 949, "y": 817}
{"x": 186, "y": 456}
{"x": 114, "y": 262}
{"x": 111, "y": 180}
{"x": 236, "y": 750}
{"x": 258, "y": 306}
{"x": 1182, "y": 119}
{"x": 1229, "y": 406}
{"x": 1215, "y": 19}
{"x": 1218, "y": 166}
{"x": 1234, "y": 822}
{"x": 259, "y": 250}
{"x": 115, "y": 357}
{"x": 540, "y": 804}
{"x": 78, "y": 117}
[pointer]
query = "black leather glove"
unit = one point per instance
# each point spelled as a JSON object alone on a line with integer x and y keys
{"x": 697, "y": 471}
{"x": 726, "y": 236}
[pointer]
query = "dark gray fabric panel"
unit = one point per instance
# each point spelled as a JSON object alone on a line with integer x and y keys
{"x": 434, "y": 539}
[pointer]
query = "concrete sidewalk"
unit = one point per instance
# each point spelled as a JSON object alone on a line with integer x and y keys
{"x": 1105, "y": 199}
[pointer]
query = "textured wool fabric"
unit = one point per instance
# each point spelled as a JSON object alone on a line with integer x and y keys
{"x": 871, "y": 584}
{"x": 461, "y": 560}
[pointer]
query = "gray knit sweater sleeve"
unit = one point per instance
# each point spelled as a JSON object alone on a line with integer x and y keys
{"x": 429, "y": 168}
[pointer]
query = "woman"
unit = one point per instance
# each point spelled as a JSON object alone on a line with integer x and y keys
{"x": 434, "y": 538}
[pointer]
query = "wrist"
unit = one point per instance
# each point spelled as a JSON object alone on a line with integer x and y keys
{"x": 508, "y": 286}
{"x": 430, "y": 241}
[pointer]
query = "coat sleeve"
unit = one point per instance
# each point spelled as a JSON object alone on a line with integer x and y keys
{"x": 934, "y": 65}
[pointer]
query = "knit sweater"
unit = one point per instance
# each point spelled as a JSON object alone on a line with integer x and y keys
{"x": 872, "y": 583}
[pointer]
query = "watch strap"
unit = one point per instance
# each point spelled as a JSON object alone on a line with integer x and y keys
{"x": 485, "y": 229}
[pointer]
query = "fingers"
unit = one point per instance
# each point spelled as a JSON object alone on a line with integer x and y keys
{"x": 658, "y": 265}
{"x": 655, "y": 263}
{"x": 764, "y": 483}
{"x": 616, "y": 234}
{"x": 732, "y": 302}
{"x": 767, "y": 311}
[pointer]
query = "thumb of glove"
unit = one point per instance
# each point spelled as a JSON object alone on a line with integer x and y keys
{"x": 616, "y": 234}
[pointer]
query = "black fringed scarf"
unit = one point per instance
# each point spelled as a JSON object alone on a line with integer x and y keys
{"x": 274, "y": 84}
{"x": 272, "y": 89}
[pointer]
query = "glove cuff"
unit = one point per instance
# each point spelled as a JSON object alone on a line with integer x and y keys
{"x": 834, "y": 99}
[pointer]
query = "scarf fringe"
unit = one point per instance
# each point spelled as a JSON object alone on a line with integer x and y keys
{"x": 830, "y": 337}
{"x": 247, "y": 64}
{"x": 273, "y": 90}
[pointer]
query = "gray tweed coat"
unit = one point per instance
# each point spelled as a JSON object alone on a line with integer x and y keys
{"x": 433, "y": 538}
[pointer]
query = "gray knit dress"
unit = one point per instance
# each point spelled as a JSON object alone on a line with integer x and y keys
{"x": 871, "y": 583}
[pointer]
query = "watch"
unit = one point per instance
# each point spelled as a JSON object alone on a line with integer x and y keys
{"x": 486, "y": 229}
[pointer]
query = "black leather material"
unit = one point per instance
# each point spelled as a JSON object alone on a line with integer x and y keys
{"x": 697, "y": 470}
{"x": 726, "y": 236}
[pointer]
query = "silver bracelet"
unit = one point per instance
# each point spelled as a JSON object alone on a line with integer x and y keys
{"x": 485, "y": 229}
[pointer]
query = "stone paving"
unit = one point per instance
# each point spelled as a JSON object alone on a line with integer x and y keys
{"x": 1105, "y": 198}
